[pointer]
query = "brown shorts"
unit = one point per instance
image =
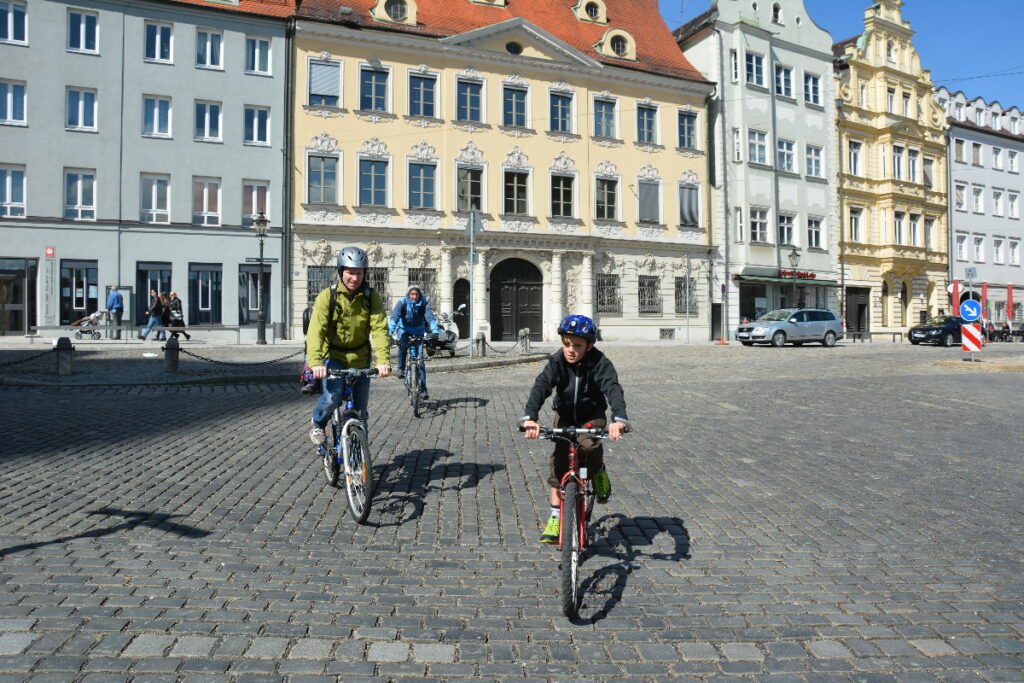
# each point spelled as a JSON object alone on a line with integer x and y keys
{"x": 590, "y": 452}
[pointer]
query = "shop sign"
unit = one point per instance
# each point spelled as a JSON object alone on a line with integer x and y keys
{"x": 798, "y": 274}
{"x": 50, "y": 252}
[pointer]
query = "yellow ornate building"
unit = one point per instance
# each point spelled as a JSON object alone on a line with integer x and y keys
{"x": 576, "y": 139}
{"x": 892, "y": 187}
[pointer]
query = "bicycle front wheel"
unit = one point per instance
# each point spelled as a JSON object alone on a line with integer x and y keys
{"x": 414, "y": 398}
{"x": 358, "y": 471}
{"x": 571, "y": 550}
{"x": 332, "y": 466}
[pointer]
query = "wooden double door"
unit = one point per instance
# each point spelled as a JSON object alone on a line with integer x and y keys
{"x": 517, "y": 290}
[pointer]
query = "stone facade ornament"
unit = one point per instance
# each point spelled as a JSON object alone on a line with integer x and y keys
{"x": 325, "y": 56}
{"x": 563, "y": 163}
{"x": 561, "y": 86}
{"x": 687, "y": 108}
{"x": 372, "y": 117}
{"x": 647, "y": 100}
{"x": 691, "y": 236}
{"x": 317, "y": 254}
{"x": 610, "y": 144}
{"x": 609, "y": 264}
{"x": 324, "y": 112}
{"x": 604, "y": 93}
{"x": 470, "y": 154}
{"x": 689, "y": 177}
{"x": 422, "y": 69}
{"x": 324, "y": 143}
{"x": 516, "y": 225}
{"x": 516, "y": 159}
{"x": 470, "y": 73}
{"x": 564, "y": 228}
{"x": 322, "y": 216}
{"x": 650, "y": 149}
{"x": 607, "y": 168}
{"x": 374, "y": 147}
{"x": 420, "y": 122}
{"x": 421, "y": 255}
{"x": 651, "y": 232}
{"x": 423, "y": 152}
{"x": 372, "y": 217}
{"x": 516, "y": 80}
{"x": 608, "y": 230}
{"x": 649, "y": 172}
{"x": 468, "y": 127}
{"x": 646, "y": 264}
{"x": 424, "y": 220}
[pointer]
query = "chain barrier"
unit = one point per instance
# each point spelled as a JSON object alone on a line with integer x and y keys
{"x": 221, "y": 362}
{"x": 26, "y": 360}
{"x": 506, "y": 351}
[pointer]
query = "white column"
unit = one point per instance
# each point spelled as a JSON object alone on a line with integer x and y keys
{"x": 587, "y": 285}
{"x": 480, "y": 310}
{"x": 444, "y": 282}
{"x": 557, "y": 297}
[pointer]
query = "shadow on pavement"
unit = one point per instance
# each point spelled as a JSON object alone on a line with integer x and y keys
{"x": 442, "y": 406}
{"x": 626, "y": 541}
{"x": 133, "y": 518}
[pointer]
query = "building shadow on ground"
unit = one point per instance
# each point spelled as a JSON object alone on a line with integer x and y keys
{"x": 434, "y": 408}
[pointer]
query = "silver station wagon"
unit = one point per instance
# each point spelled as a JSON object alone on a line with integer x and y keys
{"x": 792, "y": 325}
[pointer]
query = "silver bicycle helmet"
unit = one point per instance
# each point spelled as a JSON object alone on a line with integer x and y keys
{"x": 353, "y": 257}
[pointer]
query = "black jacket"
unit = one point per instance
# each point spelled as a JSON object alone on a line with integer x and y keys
{"x": 583, "y": 390}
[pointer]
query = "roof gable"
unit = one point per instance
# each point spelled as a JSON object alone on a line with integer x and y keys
{"x": 539, "y": 44}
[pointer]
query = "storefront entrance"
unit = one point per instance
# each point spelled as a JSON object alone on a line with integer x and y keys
{"x": 516, "y": 300}
{"x": 17, "y": 295}
{"x": 858, "y": 319}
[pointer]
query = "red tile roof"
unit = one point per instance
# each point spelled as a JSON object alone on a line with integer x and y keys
{"x": 656, "y": 49}
{"x": 280, "y": 9}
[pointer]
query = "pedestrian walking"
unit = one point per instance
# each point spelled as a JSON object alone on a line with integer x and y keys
{"x": 177, "y": 323}
{"x": 115, "y": 307}
{"x": 155, "y": 313}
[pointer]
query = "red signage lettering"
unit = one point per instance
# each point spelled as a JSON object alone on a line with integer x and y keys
{"x": 799, "y": 274}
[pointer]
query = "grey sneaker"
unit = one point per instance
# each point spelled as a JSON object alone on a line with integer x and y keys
{"x": 317, "y": 436}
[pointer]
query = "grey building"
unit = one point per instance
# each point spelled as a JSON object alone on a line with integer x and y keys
{"x": 773, "y": 128}
{"x": 986, "y": 151}
{"x": 138, "y": 140}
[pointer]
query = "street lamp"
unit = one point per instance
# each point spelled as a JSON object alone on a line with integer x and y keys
{"x": 794, "y": 259}
{"x": 260, "y": 222}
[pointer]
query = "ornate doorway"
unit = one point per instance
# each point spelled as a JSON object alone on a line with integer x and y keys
{"x": 516, "y": 300}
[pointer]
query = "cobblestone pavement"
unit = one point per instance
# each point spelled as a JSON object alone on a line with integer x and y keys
{"x": 781, "y": 514}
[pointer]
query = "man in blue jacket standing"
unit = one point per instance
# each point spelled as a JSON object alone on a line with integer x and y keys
{"x": 410, "y": 317}
{"x": 115, "y": 307}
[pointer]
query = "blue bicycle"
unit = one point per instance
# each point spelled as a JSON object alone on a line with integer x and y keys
{"x": 348, "y": 449}
{"x": 415, "y": 364}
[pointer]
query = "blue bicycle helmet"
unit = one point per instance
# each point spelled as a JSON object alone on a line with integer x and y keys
{"x": 579, "y": 326}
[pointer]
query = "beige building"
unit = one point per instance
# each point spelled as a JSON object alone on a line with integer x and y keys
{"x": 892, "y": 189}
{"x": 577, "y": 142}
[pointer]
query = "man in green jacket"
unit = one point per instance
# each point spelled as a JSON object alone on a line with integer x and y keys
{"x": 344, "y": 340}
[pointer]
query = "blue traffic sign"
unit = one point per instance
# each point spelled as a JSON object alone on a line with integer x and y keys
{"x": 970, "y": 310}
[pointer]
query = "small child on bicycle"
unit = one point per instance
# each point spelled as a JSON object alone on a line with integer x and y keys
{"x": 585, "y": 383}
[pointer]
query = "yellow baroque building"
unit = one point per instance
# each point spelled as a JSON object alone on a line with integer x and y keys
{"x": 575, "y": 143}
{"x": 892, "y": 187}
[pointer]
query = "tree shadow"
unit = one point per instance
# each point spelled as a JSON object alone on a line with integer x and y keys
{"x": 403, "y": 486}
{"x": 442, "y": 406}
{"x": 626, "y": 542}
{"x": 133, "y": 518}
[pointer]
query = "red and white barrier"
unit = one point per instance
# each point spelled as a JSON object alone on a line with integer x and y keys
{"x": 970, "y": 337}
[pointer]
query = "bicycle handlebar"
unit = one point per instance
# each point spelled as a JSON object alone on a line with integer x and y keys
{"x": 353, "y": 372}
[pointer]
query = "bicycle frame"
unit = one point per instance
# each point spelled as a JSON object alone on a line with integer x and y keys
{"x": 581, "y": 476}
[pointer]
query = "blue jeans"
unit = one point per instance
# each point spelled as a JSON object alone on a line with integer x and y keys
{"x": 403, "y": 347}
{"x": 154, "y": 321}
{"x": 331, "y": 397}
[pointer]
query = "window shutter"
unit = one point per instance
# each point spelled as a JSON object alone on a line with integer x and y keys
{"x": 648, "y": 201}
{"x": 688, "y": 205}
{"x": 323, "y": 79}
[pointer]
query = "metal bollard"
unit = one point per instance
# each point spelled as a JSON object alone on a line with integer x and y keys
{"x": 65, "y": 352}
{"x": 524, "y": 339}
{"x": 481, "y": 344}
{"x": 171, "y": 355}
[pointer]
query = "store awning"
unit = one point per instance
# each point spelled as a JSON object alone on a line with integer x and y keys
{"x": 788, "y": 280}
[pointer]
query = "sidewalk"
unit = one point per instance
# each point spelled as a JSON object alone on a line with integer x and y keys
{"x": 33, "y": 363}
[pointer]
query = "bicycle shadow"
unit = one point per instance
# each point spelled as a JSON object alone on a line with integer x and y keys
{"x": 403, "y": 486}
{"x": 435, "y": 408}
{"x": 133, "y": 518}
{"x": 626, "y": 541}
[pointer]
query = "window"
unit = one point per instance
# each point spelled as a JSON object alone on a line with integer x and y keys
{"x": 758, "y": 225}
{"x": 606, "y": 204}
{"x": 425, "y": 278}
{"x": 208, "y": 49}
{"x": 422, "y": 186}
{"x": 757, "y": 147}
{"x": 378, "y": 279}
{"x": 689, "y": 205}
{"x": 997, "y": 202}
{"x": 646, "y": 124}
{"x": 562, "y": 196}
{"x": 898, "y": 227}
{"x": 912, "y": 156}
{"x": 81, "y": 114}
{"x": 958, "y": 150}
{"x": 516, "y": 193}
{"x": 561, "y": 112}
{"x": 1012, "y": 205}
{"x": 855, "y": 215}
{"x": 814, "y": 233}
{"x": 686, "y": 296}
{"x": 257, "y": 56}
{"x": 204, "y": 293}
{"x": 607, "y": 294}
{"x": 469, "y": 188}
{"x": 897, "y": 162}
{"x": 397, "y": 10}
{"x": 207, "y": 121}
{"x": 976, "y": 153}
{"x": 80, "y": 195}
{"x": 158, "y": 42}
{"x": 687, "y": 130}
{"x": 786, "y": 223}
{"x": 959, "y": 111}
{"x": 979, "y": 199}
{"x": 257, "y": 128}
{"x": 205, "y": 201}
{"x": 784, "y": 156}
{"x": 739, "y": 224}
{"x": 320, "y": 278}
{"x": 929, "y": 225}
{"x": 960, "y": 197}
{"x": 755, "y": 69}
{"x": 1015, "y": 125}
{"x": 422, "y": 96}
{"x": 814, "y": 161}
{"x": 513, "y": 107}
{"x": 915, "y": 228}
{"x": 649, "y": 294}
{"x": 783, "y": 81}
{"x": 620, "y": 46}
{"x": 78, "y": 285}
{"x": 1014, "y": 254}
{"x": 604, "y": 118}
{"x": 734, "y": 65}
{"x": 150, "y": 276}
{"x": 373, "y": 182}
{"x": 255, "y": 200}
{"x": 776, "y": 13}
{"x": 593, "y": 10}
{"x": 650, "y": 201}
{"x": 890, "y": 100}
{"x": 153, "y": 199}
{"x": 322, "y": 180}
{"x": 961, "y": 247}
{"x": 863, "y": 95}
{"x": 12, "y": 102}
{"x": 737, "y": 145}
{"x": 156, "y": 116}
{"x": 324, "y": 84}
{"x": 468, "y": 99}
{"x": 83, "y": 29}
{"x": 854, "y": 148}
{"x": 250, "y": 296}
{"x": 373, "y": 89}
{"x": 12, "y": 191}
{"x": 812, "y": 89}
{"x": 906, "y": 105}
{"x": 979, "y": 117}
{"x": 13, "y": 27}
{"x": 979, "y": 249}
{"x": 890, "y": 51}
{"x": 1011, "y": 161}
{"x": 997, "y": 158}
{"x": 997, "y": 250}
{"x": 929, "y": 165}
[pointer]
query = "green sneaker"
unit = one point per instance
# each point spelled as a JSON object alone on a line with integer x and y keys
{"x": 602, "y": 486}
{"x": 550, "y": 533}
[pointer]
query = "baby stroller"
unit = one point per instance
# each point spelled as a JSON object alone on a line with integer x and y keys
{"x": 89, "y": 325}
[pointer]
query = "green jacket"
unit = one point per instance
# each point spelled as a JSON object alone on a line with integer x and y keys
{"x": 353, "y": 331}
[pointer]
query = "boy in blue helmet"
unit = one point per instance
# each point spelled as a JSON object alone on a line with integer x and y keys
{"x": 411, "y": 316}
{"x": 585, "y": 383}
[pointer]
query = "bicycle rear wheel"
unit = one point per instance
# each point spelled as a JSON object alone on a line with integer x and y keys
{"x": 571, "y": 548}
{"x": 358, "y": 472}
{"x": 332, "y": 466}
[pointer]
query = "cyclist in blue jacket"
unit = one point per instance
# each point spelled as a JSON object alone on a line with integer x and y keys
{"x": 410, "y": 317}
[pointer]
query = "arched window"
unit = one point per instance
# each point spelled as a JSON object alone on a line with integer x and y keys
{"x": 777, "y": 13}
{"x": 885, "y": 304}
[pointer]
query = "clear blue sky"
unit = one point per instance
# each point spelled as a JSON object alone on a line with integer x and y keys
{"x": 964, "y": 44}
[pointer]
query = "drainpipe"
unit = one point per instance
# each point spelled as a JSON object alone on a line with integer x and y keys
{"x": 842, "y": 225}
{"x": 954, "y": 306}
{"x": 775, "y": 177}
{"x": 286, "y": 195}
{"x": 723, "y": 182}
{"x": 120, "y": 162}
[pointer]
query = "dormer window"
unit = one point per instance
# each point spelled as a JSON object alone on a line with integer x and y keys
{"x": 776, "y": 13}
{"x": 617, "y": 43}
{"x": 591, "y": 10}
{"x": 395, "y": 11}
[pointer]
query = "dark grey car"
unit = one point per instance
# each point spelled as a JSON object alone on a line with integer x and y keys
{"x": 792, "y": 325}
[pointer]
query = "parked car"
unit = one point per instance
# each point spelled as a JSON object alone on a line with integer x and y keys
{"x": 941, "y": 329}
{"x": 792, "y": 325}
